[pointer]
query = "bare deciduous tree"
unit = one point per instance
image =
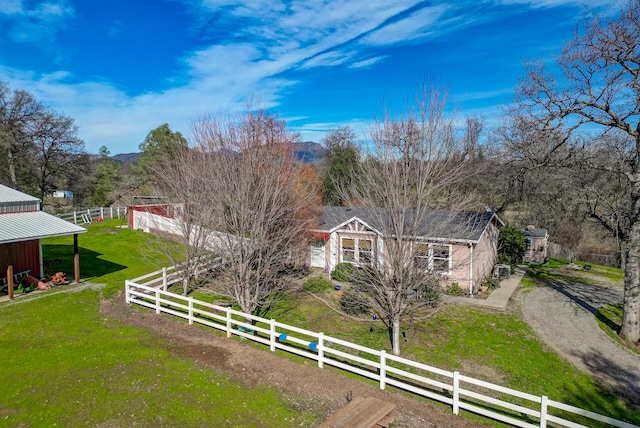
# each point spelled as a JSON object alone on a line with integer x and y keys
{"x": 242, "y": 184}
{"x": 410, "y": 173}
{"x": 41, "y": 145}
{"x": 18, "y": 109}
{"x": 599, "y": 93}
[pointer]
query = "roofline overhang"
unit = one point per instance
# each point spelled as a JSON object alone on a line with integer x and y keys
{"x": 34, "y": 238}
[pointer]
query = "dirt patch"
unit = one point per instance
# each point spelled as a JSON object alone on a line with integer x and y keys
{"x": 304, "y": 386}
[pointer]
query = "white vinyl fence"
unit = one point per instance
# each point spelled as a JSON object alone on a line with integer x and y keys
{"x": 91, "y": 214}
{"x": 459, "y": 391}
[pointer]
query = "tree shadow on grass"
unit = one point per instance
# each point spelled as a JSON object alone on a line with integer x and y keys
{"x": 59, "y": 258}
{"x": 621, "y": 396}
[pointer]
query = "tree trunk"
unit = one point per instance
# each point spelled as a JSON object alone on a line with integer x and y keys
{"x": 630, "y": 331}
{"x": 12, "y": 168}
{"x": 185, "y": 285}
{"x": 395, "y": 334}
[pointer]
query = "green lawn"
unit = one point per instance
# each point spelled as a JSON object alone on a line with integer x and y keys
{"x": 66, "y": 364}
{"x": 497, "y": 347}
{"x": 109, "y": 254}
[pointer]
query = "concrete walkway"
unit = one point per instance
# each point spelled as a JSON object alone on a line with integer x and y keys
{"x": 498, "y": 299}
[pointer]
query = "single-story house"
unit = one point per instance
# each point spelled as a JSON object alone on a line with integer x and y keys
{"x": 463, "y": 250}
{"x": 22, "y": 226}
{"x": 537, "y": 244}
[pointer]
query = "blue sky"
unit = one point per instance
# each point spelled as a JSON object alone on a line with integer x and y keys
{"x": 121, "y": 68}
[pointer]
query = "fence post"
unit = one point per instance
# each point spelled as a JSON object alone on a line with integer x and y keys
{"x": 102, "y": 213}
{"x": 228, "y": 323}
{"x": 543, "y": 411}
{"x": 118, "y": 211}
{"x": 383, "y": 369}
{"x": 164, "y": 278}
{"x": 190, "y": 310}
{"x": 272, "y": 335}
{"x": 456, "y": 392}
{"x": 111, "y": 213}
{"x": 157, "y": 292}
{"x": 126, "y": 291}
{"x": 89, "y": 212}
{"x": 75, "y": 218}
{"x": 321, "y": 350}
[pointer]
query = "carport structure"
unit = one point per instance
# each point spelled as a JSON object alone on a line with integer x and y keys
{"x": 22, "y": 226}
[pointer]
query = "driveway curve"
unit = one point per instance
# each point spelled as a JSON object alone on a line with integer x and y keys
{"x": 563, "y": 316}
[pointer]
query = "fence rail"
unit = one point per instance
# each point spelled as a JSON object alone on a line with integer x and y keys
{"x": 459, "y": 391}
{"x": 91, "y": 214}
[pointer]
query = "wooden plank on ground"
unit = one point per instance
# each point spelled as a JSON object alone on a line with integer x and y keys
{"x": 360, "y": 413}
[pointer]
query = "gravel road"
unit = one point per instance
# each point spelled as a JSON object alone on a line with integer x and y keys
{"x": 562, "y": 314}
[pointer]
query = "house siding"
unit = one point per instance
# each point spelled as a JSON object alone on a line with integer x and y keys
{"x": 460, "y": 266}
{"x": 485, "y": 254}
{"x": 23, "y": 256}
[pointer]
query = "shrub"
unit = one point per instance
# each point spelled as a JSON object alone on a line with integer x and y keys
{"x": 454, "y": 290}
{"x": 354, "y": 303}
{"x": 512, "y": 244}
{"x": 342, "y": 272}
{"x": 317, "y": 284}
{"x": 491, "y": 282}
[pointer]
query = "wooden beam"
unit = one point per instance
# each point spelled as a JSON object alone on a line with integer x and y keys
{"x": 76, "y": 259}
{"x": 10, "y": 281}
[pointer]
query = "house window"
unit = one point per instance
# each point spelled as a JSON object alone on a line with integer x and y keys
{"x": 441, "y": 258}
{"x": 365, "y": 251}
{"x": 421, "y": 256}
{"x": 357, "y": 250}
{"x": 436, "y": 257}
{"x": 348, "y": 250}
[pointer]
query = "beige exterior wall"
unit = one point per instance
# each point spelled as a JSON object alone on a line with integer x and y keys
{"x": 485, "y": 254}
{"x": 460, "y": 271}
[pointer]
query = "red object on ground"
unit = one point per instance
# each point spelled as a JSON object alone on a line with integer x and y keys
{"x": 41, "y": 285}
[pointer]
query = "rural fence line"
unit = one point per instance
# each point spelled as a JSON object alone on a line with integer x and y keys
{"x": 457, "y": 390}
{"x": 91, "y": 214}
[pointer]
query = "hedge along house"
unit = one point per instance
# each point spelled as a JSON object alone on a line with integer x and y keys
{"x": 465, "y": 250}
{"x": 22, "y": 226}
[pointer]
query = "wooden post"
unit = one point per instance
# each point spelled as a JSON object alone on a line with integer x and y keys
{"x": 76, "y": 259}
{"x": 544, "y": 403}
{"x": 10, "y": 281}
{"x": 456, "y": 392}
{"x": 321, "y": 350}
{"x": 383, "y": 369}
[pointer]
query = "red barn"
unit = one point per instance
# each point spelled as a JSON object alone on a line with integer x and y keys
{"x": 22, "y": 226}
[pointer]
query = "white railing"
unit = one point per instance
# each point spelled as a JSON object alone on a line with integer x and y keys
{"x": 461, "y": 392}
{"x": 91, "y": 214}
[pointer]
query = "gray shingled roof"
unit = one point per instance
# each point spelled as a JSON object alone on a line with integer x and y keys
{"x": 536, "y": 233}
{"x": 438, "y": 224}
{"x": 7, "y": 194}
{"x": 25, "y": 226}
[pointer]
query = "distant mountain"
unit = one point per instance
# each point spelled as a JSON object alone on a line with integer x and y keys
{"x": 310, "y": 152}
{"x": 125, "y": 157}
{"x": 307, "y": 152}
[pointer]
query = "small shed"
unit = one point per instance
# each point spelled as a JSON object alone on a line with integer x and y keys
{"x": 22, "y": 226}
{"x": 537, "y": 244}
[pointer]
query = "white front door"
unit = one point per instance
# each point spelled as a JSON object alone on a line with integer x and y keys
{"x": 317, "y": 254}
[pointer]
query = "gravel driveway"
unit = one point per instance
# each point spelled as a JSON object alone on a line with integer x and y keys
{"x": 562, "y": 314}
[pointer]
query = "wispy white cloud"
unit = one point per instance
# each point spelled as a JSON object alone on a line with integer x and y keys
{"x": 252, "y": 46}
{"x": 35, "y": 22}
{"x": 367, "y": 62}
